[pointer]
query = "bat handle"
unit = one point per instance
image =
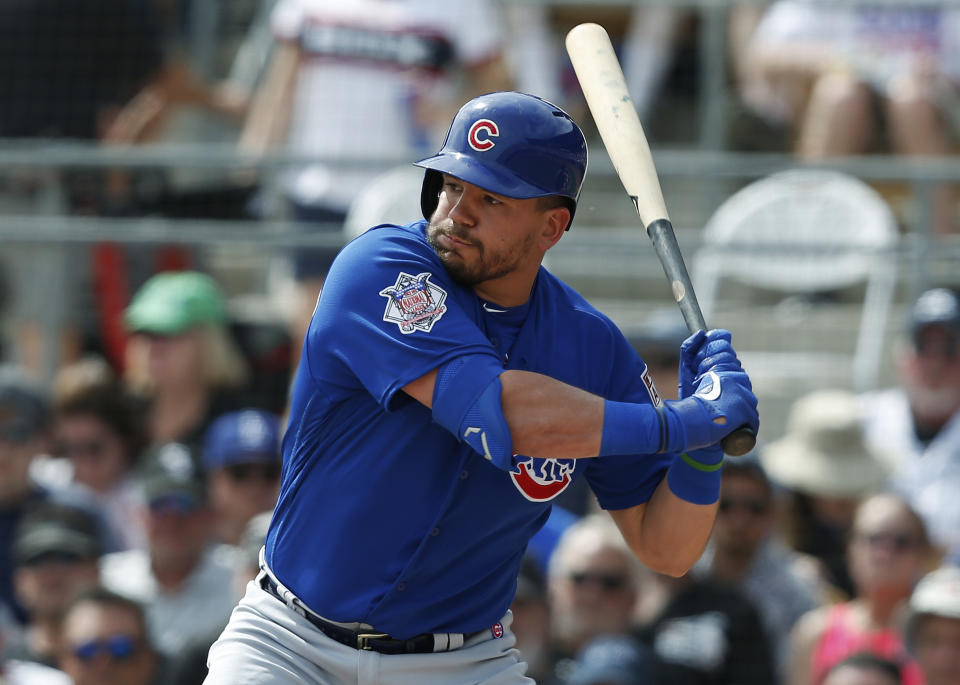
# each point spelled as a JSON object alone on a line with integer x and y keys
{"x": 661, "y": 232}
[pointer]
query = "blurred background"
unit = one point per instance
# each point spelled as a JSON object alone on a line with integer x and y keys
{"x": 175, "y": 166}
{"x": 133, "y": 141}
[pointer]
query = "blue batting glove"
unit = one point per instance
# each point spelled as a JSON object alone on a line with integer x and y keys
{"x": 723, "y": 401}
{"x": 688, "y": 369}
{"x": 715, "y": 352}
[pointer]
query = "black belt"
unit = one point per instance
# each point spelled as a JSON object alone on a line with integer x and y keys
{"x": 359, "y": 639}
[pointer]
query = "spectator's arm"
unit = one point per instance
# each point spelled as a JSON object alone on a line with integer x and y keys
{"x": 269, "y": 115}
{"x": 803, "y": 641}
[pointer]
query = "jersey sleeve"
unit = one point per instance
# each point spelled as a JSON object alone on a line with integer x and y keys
{"x": 624, "y": 481}
{"x": 388, "y": 314}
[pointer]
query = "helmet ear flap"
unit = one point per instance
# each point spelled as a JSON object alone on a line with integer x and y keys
{"x": 430, "y": 192}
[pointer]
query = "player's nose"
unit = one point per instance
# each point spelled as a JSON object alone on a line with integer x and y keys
{"x": 464, "y": 210}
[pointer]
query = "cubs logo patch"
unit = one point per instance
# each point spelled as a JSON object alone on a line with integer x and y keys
{"x": 540, "y": 480}
{"x": 497, "y": 630}
{"x": 651, "y": 388}
{"x": 414, "y": 303}
{"x": 480, "y": 134}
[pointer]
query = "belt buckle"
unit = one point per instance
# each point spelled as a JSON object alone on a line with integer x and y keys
{"x": 363, "y": 639}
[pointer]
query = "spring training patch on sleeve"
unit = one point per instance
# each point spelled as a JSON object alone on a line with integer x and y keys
{"x": 414, "y": 303}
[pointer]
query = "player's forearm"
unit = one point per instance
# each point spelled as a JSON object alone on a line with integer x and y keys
{"x": 548, "y": 418}
{"x": 668, "y": 534}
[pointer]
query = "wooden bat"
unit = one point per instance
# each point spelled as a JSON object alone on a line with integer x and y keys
{"x": 605, "y": 89}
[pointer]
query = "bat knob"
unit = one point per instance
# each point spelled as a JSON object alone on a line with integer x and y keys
{"x": 739, "y": 442}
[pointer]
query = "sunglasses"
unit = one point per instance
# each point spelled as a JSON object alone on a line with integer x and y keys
{"x": 117, "y": 647}
{"x": 242, "y": 472}
{"x": 608, "y": 582}
{"x": 89, "y": 448}
{"x": 753, "y": 506}
{"x": 898, "y": 542}
{"x": 927, "y": 346}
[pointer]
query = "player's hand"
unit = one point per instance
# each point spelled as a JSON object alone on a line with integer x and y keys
{"x": 702, "y": 352}
{"x": 721, "y": 402}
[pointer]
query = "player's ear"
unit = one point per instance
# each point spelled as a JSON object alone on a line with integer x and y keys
{"x": 555, "y": 222}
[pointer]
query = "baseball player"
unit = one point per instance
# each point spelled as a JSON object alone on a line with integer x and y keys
{"x": 449, "y": 388}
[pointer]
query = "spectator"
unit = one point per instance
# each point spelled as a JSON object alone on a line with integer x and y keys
{"x": 825, "y": 69}
{"x": 181, "y": 355}
{"x": 826, "y": 467}
{"x": 96, "y": 72}
{"x": 107, "y": 641}
{"x": 612, "y": 661}
{"x": 98, "y": 430}
{"x": 57, "y": 551}
{"x": 531, "y": 622}
{"x": 14, "y": 671}
{"x": 351, "y": 80}
{"x": 24, "y": 419}
{"x": 745, "y": 551}
{"x": 189, "y": 665}
{"x": 647, "y": 36}
{"x": 864, "y": 668}
{"x": 918, "y": 422}
{"x": 888, "y": 551}
{"x": 933, "y": 626}
{"x": 592, "y": 583}
{"x": 185, "y": 583}
{"x": 241, "y": 455}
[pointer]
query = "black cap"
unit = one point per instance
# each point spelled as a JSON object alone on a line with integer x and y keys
{"x": 936, "y": 307}
{"x": 54, "y": 528}
{"x": 173, "y": 469}
{"x": 24, "y": 410}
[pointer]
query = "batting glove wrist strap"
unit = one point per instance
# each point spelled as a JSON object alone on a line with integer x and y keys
{"x": 632, "y": 429}
{"x": 722, "y": 403}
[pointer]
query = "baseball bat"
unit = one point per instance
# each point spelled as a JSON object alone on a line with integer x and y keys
{"x": 605, "y": 89}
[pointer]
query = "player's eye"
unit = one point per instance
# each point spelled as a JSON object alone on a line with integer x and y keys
{"x": 491, "y": 200}
{"x": 451, "y": 187}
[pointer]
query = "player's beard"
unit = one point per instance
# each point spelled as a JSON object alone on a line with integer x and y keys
{"x": 488, "y": 265}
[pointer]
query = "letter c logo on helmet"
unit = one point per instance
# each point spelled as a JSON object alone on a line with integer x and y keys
{"x": 480, "y": 134}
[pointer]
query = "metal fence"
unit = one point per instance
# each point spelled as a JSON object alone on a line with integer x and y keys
{"x": 606, "y": 256}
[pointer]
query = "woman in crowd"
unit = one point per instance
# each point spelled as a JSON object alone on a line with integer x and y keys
{"x": 888, "y": 552}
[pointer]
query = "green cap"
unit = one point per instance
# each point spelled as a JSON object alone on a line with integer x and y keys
{"x": 173, "y": 302}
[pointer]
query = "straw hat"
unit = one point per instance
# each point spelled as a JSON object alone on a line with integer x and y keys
{"x": 937, "y": 594}
{"x": 823, "y": 452}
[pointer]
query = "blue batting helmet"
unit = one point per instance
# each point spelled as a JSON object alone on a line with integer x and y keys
{"x": 512, "y": 144}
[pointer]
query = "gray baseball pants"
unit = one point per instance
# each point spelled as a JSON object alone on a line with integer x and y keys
{"x": 267, "y": 643}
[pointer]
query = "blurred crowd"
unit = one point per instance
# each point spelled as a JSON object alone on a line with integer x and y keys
{"x": 136, "y": 485}
{"x": 133, "y": 508}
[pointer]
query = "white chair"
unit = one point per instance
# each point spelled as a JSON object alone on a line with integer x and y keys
{"x": 798, "y": 233}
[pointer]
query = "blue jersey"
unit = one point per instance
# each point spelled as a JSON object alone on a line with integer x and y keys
{"x": 384, "y": 517}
